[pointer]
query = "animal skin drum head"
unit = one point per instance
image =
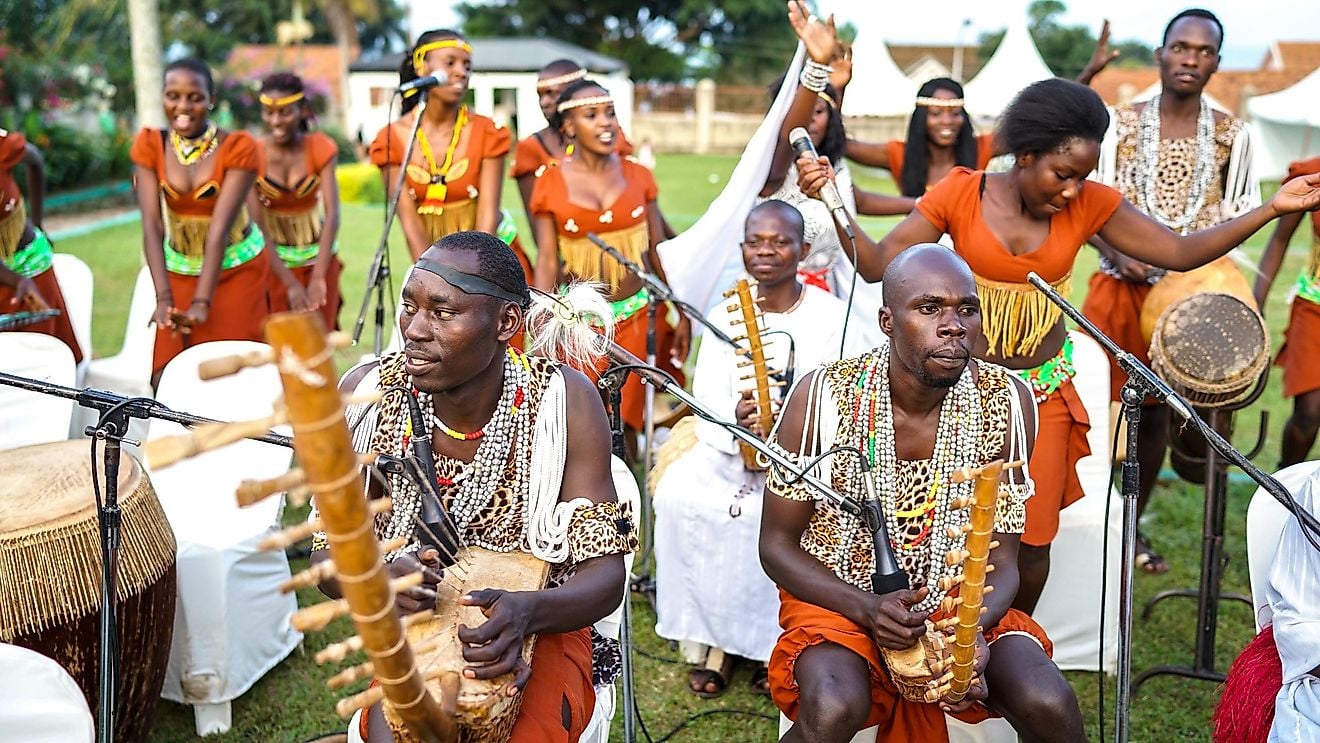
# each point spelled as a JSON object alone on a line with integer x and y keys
{"x": 1210, "y": 347}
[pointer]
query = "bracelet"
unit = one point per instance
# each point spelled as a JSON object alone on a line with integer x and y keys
{"x": 815, "y": 76}
{"x": 201, "y": 300}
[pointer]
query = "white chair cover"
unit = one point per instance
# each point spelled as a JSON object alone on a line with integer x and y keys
{"x": 76, "y": 285}
{"x": 1069, "y": 608}
{"x": 30, "y": 417}
{"x": 1266, "y": 518}
{"x": 231, "y": 623}
{"x": 994, "y": 730}
{"x": 41, "y": 702}
{"x": 598, "y": 728}
{"x": 129, "y": 371}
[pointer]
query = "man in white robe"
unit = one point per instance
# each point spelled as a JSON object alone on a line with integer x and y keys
{"x": 1294, "y": 596}
{"x": 711, "y": 593}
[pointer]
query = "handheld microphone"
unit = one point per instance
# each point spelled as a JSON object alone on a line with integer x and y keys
{"x": 829, "y": 193}
{"x": 424, "y": 83}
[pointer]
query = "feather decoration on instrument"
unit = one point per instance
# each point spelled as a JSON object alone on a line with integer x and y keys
{"x": 568, "y": 328}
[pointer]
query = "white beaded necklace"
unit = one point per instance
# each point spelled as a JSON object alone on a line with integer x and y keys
{"x": 1148, "y": 147}
{"x": 956, "y": 438}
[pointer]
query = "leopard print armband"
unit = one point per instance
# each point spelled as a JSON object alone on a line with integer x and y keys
{"x": 1011, "y": 508}
{"x": 601, "y": 529}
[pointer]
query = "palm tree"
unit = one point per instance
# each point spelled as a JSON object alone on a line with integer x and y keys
{"x": 342, "y": 17}
{"x": 148, "y": 77}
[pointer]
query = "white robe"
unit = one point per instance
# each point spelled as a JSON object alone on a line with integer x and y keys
{"x": 710, "y": 588}
{"x": 1294, "y": 596}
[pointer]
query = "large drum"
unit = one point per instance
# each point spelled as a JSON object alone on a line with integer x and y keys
{"x": 1210, "y": 348}
{"x": 1221, "y": 275}
{"x": 50, "y": 574}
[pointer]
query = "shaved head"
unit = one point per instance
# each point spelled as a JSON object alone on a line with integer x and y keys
{"x": 931, "y": 314}
{"x": 909, "y": 273}
{"x": 784, "y": 210}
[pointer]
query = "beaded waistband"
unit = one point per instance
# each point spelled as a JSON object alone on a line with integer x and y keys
{"x": 629, "y": 306}
{"x": 1047, "y": 378}
{"x": 35, "y": 258}
{"x": 235, "y": 255}
{"x": 11, "y": 231}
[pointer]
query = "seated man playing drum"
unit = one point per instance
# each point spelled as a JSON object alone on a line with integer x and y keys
{"x": 503, "y": 416}
{"x": 917, "y": 409}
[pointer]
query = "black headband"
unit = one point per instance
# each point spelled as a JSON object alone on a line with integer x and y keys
{"x": 466, "y": 282}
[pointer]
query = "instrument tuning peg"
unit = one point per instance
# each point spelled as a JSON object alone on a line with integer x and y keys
{"x": 253, "y": 491}
{"x": 314, "y": 618}
{"x": 313, "y": 576}
{"x": 229, "y": 365}
{"x": 956, "y": 556}
{"x": 162, "y": 453}
{"x": 729, "y": 293}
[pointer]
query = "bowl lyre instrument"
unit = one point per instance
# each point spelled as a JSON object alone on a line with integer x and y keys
{"x": 750, "y": 317}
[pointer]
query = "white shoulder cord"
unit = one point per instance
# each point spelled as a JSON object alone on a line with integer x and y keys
{"x": 1017, "y": 428}
{"x": 547, "y": 518}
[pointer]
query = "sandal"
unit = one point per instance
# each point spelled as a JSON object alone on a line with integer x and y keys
{"x": 1147, "y": 559}
{"x": 761, "y": 681}
{"x": 700, "y": 680}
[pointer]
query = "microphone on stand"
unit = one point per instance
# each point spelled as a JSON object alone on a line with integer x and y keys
{"x": 433, "y": 516}
{"x": 829, "y": 193}
{"x": 424, "y": 83}
{"x": 888, "y": 576}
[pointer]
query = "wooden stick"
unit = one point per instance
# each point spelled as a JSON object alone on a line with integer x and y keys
{"x": 253, "y": 491}
{"x": 227, "y": 365}
{"x": 162, "y": 453}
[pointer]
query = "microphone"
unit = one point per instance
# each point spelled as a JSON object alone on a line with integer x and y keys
{"x": 888, "y": 576}
{"x": 424, "y": 83}
{"x": 829, "y": 193}
{"x": 433, "y": 516}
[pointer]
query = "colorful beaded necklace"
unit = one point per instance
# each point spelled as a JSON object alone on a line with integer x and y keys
{"x": 956, "y": 438}
{"x": 196, "y": 149}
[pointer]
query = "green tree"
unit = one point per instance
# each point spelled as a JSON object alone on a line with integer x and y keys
{"x": 1065, "y": 49}
{"x": 733, "y": 41}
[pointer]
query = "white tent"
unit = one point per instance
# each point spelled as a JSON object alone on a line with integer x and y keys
{"x": 878, "y": 87}
{"x": 1014, "y": 65}
{"x": 1287, "y": 124}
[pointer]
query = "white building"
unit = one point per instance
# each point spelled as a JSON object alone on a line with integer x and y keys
{"x": 503, "y": 84}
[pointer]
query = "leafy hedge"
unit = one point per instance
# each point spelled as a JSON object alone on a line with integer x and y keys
{"x": 74, "y": 159}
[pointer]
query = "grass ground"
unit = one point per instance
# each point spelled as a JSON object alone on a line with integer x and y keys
{"x": 291, "y": 703}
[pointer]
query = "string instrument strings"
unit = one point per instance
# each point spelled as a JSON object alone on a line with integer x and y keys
{"x": 750, "y": 316}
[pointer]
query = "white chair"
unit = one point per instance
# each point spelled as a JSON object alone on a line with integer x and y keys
{"x": 31, "y": 417}
{"x": 231, "y": 624}
{"x": 129, "y": 371}
{"x": 1266, "y": 518}
{"x": 1069, "y": 608}
{"x": 598, "y": 728}
{"x": 76, "y": 284}
{"x": 43, "y": 703}
{"x": 995, "y": 730}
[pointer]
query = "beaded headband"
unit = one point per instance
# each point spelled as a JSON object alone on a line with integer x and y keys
{"x": 419, "y": 54}
{"x": 466, "y": 282}
{"x": 592, "y": 100}
{"x": 939, "y": 102}
{"x": 277, "y": 102}
{"x": 551, "y": 82}
{"x": 825, "y": 97}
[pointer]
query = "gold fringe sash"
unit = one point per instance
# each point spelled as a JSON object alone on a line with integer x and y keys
{"x": 584, "y": 260}
{"x": 51, "y": 573}
{"x": 187, "y": 232}
{"x": 458, "y": 216}
{"x": 1015, "y": 318}
{"x": 298, "y": 229}
{"x": 11, "y": 231}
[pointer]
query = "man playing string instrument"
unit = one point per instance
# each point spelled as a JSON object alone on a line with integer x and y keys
{"x": 497, "y": 416}
{"x": 917, "y": 409}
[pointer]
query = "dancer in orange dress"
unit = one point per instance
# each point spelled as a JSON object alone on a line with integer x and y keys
{"x": 27, "y": 278}
{"x": 1035, "y": 218}
{"x": 296, "y": 202}
{"x": 596, "y": 191}
{"x": 454, "y": 180}
{"x": 1300, "y": 355}
{"x": 204, "y": 254}
{"x": 939, "y": 138}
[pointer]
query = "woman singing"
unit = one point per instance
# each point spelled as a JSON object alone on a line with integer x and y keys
{"x": 205, "y": 258}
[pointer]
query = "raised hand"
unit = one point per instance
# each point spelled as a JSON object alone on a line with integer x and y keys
{"x": 813, "y": 175}
{"x": 841, "y": 69}
{"x": 1297, "y": 195}
{"x": 1100, "y": 57}
{"x": 820, "y": 39}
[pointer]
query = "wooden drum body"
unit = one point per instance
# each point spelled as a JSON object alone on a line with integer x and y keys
{"x": 50, "y": 574}
{"x": 1221, "y": 276}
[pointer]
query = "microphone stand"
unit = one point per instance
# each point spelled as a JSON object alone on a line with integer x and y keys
{"x": 1141, "y": 383}
{"x": 379, "y": 273}
{"x": 612, "y": 383}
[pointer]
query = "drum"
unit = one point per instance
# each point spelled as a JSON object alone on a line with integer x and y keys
{"x": 50, "y": 574}
{"x": 1221, "y": 275}
{"x": 1210, "y": 348}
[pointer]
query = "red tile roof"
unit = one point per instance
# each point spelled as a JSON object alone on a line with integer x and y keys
{"x": 317, "y": 64}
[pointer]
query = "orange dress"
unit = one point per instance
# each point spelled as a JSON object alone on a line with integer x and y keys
{"x": 532, "y": 156}
{"x": 294, "y": 217}
{"x": 1300, "y": 355}
{"x": 1016, "y": 318}
{"x": 240, "y": 303}
{"x": 897, "y": 149}
{"x": 624, "y": 226}
{"x": 31, "y": 259}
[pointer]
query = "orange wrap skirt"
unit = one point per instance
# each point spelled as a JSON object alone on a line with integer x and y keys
{"x": 806, "y": 624}
{"x": 239, "y": 306}
{"x": 1062, "y": 424}
{"x": 1300, "y": 355}
{"x": 334, "y": 301}
{"x": 60, "y": 326}
{"x": 1114, "y": 306}
{"x": 560, "y": 685}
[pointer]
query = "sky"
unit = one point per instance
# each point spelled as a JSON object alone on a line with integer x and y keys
{"x": 1249, "y": 27}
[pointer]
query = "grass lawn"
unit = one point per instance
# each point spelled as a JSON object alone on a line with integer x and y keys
{"x": 291, "y": 703}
